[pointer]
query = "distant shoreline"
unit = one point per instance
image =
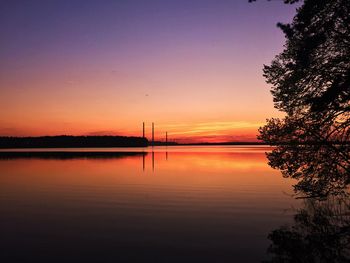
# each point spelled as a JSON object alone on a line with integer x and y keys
{"x": 222, "y": 143}
{"x": 67, "y": 141}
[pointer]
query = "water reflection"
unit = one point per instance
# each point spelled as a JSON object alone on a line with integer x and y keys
{"x": 66, "y": 155}
{"x": 321, "y": 228}
{"x": 204, "y": 205}
{"x": 320, "y": 233}
{"x": 321, "y": 169}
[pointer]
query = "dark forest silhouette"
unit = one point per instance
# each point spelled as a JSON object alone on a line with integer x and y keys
{"x": 72, "y": 142}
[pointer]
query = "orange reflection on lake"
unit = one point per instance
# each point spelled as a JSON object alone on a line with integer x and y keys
{"x": 186, "y": 200}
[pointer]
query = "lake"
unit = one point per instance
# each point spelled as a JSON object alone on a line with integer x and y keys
{"x": 161, "y": 204}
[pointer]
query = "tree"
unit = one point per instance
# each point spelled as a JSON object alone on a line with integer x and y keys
{"x": 310, "y": 82}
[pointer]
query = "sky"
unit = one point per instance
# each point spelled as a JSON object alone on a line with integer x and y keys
{"x": 193, "y": 67}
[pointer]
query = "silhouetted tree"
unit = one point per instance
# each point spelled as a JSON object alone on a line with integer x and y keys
{"x": 311, "y": 83}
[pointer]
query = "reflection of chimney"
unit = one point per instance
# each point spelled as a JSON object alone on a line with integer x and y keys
{"x": 143, "y": 130}
{"x": 143, "y": 160}
{"x": 152, "y": 133}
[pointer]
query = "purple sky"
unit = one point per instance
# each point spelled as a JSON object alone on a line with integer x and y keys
{"x": 80, "y": 67}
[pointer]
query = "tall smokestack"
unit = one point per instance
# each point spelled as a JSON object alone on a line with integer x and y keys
{"x": 143, "y": 130}
{"x": 166, "y": 138}
{"x": 152, "y": 133}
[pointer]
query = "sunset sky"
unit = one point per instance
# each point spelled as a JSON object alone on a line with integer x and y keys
{"x": 83, "y": 67}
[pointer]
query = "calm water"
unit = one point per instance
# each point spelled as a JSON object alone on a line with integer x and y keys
{"x": 175, "y": 204}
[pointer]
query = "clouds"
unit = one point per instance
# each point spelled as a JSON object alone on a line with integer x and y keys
{"x": 219, "y": 131}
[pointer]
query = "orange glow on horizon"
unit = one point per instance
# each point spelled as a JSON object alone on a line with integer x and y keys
{"x": 184, "y": 133}
{"x": 199, "y": 79}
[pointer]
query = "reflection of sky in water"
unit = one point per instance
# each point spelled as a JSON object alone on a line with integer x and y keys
{"x": 201, "y": 205}
{"x": 220, "y": 149}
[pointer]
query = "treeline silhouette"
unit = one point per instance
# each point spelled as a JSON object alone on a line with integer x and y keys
{"x": 65, "y": 141}
{"x": 67, "y": 155}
